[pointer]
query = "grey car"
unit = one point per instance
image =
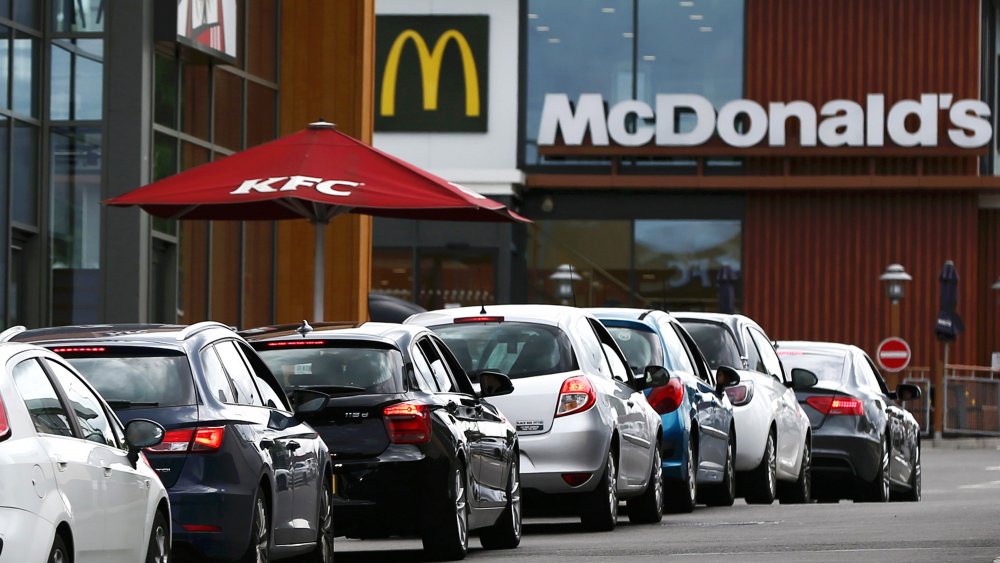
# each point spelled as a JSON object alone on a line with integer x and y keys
{"x": 584, "y": 426}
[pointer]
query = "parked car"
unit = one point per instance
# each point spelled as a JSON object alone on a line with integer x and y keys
{"x": 73, "y": 484}
{"x": 864, "y": 446}
{"x": 699, "y": 435}
{"x": 585, "y": 428}
{"x": 247, "y": 479}
{"x": 417, "y": 450}
{"x": 773, "y": 455}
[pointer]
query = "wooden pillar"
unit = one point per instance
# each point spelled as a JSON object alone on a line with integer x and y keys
{"x": 327, "y": 68}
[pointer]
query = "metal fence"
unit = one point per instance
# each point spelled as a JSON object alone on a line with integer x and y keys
{"x": 971, "y": 400}
{"x": 919, "y": 408}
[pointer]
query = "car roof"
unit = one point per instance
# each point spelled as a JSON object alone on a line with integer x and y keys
{"x": 392, "y": 333}
{"x": 812, "y": 347}
{"x": 132, "y": 333}
{"x": 626, "y": 313}
{"x": 554, "y": 315}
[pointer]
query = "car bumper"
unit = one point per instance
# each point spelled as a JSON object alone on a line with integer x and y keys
{"x": 840, "y": 451}
{"x": 227, "y": 511}
{"x": 577, "y": 443}
{"x": 24, "y": 536}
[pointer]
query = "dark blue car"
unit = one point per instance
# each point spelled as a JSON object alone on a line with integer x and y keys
{"x": 699, "y": 436}
{"x": 247, "y": 480}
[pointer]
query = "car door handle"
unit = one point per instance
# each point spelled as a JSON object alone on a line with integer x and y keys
{"x": 292, "y": 446}
{"x": 61, "y": 463}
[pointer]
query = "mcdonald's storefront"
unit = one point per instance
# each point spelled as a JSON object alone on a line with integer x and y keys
{"x": 806, "y": 146}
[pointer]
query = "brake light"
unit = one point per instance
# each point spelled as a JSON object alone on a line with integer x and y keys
{"x": 479, "y": 319}
{"x": 576, "y": 395}
{"x": 200, "y": 528}
{"x": 4, "y": 425}
{"x": 185, "y": 440}
{"x": 740, "y": 394}
{"x": 288, "y": 343}
{"x": 407, "y": 423}
{"x": 79, "y": 350}
{"x": 836, "y": 405}
{"x": 575, "y": 479}
{"x": 666, "y": 398}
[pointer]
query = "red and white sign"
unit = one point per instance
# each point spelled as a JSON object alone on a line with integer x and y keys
{"x": 893, "y": 354}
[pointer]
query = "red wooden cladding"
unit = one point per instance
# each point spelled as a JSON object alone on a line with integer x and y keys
{"x": 988, "y": 325}
{"x": 819, "y": 50}
{"x": 812, "y": 263}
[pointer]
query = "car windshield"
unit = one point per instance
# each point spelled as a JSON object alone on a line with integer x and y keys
{"x": 641, "y": 347}
{"x": 827, "y": 367}
{"x": 130, "y": 377}
{"x": 335, "y": 367}
{"x": 518, "y": 349}
{"x": 716, "y": 344}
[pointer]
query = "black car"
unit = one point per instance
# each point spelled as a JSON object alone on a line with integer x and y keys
{"x": 416, "y": 449}
{"x": 247, "y": 479}
{"x": 865, "y": 447}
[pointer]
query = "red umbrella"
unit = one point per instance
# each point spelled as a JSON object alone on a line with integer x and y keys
{"x": 316, "y": 174}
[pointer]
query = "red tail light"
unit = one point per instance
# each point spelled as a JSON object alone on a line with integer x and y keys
{"x": 666, "y": 398}
{"x": 575, "y": 479}
{"x": 408, "y": 423}
{"x": 287, "y": 343}
{"x": 4, "y": 425}
{"x": 740, "y": 394}
{"x": 827, "y": 404}
{"x": 479, "y": 319}
{"x": 576, "y": 395}
{"x": 183, "y": 440}
{"x": 200, "y": 528}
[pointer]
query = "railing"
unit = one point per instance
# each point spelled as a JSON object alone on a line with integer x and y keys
{"x": 919, "y": 408}
{"x": 971, "y": 400}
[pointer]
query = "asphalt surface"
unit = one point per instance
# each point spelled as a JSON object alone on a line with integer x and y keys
{"x": 957, "y": 520}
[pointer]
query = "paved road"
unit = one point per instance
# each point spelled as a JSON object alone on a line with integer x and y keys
{"x": 958, "y": 520}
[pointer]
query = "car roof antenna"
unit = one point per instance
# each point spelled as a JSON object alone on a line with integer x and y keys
{"x": 482, "y": 308}
{"x": 304, "y": 328}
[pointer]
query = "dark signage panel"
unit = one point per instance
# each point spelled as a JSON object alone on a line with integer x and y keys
{"x": 431, "y": 73}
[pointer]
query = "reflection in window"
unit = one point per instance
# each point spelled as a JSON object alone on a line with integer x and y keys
{"x": 4, "y": 64}
{"x": 77, "y": 79}
{"x": 94, "y": 422}
{"x": 455, "y": 279}
{"x": 165, "y": 91}
{"x": 76, "y": 224}
{"x": 26, "y": 12}
{"x": 24, "y": 97}
{"x": 78, "y": 15}
{"x": 24, "y": 204}
{"x": 44, "y": 407}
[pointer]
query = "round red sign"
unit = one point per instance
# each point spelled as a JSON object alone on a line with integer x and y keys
{"x": 893, "y": 354}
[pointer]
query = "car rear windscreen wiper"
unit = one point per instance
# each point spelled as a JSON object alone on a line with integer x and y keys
{"x": 122, "y": 404}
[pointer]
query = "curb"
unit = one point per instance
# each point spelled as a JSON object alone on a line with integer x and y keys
{"x": 963, "y": 443}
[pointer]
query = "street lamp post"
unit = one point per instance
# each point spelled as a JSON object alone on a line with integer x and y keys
{"x": 565, "y": 276}
{"x": 895, "y": 279}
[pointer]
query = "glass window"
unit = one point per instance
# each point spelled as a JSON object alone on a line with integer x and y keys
{"x": 78, "y": 15}
{"x": 195, "y": 100}
{"x": 243, "y": 386}
{"x": 26, "y": 75}
{"x": 41, "y": 399}
{"x": 754, "y": 359}
{"x": 716, "y": 343}
{"x": 165, "y": 91}
{"x": 90, "y": 415}
{"x": 138, "y": 378}
{"x": 827, "y": 367}
{"x": 640, "y": 346}
{"x": 24, "y": 204}
{"x": 215, "y": 376}
{"x": 456, "y": 279}
{"x": 77, "y": 79}
{"x": 767, "y": 355}
{"x": 595, "y": 261}
{"x": 422, "y": 371}
{"x": 438, "y": 370}
{"x": 4, "y": 64}
{"x": 270, "y": 391}
{"x": 339, "y": 364}
{"x": 27, "y": 12}
{"x": 677, "y": 354}
{"x": 518, "y": 349}
{"x": 392, "y": 272}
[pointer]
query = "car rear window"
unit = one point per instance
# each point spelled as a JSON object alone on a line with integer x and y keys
{"x": 640, "y": 346}
{"x": 334, "y": 367}
{"x": 716, "y": 344}
{"x": 133, "y": 377}
{"x": 827, "y": 367}
{"x": 518, "y": 349}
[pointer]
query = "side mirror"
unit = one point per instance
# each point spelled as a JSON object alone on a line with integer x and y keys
{"x": 907, "y": 392}
{"x": 802, "y": 379}
{"x": 307, "y": 401}
{"x": 726, "y": 376}
{"x": 141, "y": 433}
{"x": 654, "y": 376}
{"x": 492, "y": 384}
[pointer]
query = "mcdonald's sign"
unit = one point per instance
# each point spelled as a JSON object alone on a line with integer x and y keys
{"x": 431, "y": 73}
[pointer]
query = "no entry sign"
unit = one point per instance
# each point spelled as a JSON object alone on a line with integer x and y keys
{"x": 893, "y": 354}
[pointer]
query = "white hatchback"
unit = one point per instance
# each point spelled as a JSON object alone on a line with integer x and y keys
{"x": 74, "y": 485}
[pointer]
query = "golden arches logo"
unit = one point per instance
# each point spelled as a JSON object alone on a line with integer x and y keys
{"x": 430, "y": 71}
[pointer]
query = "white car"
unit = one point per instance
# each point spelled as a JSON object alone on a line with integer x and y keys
{"x": 74, "y": 485}
{"x": 774, "y": 448}
{"x": 583, "y": 422}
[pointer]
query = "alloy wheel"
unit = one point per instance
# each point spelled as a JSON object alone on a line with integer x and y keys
{"x": 692, "y": 474}
{"x": 58, "y": 556}
{"x": 326, "y": 526}
{"x": 612, "y": 487}
{"x": 772, "y": 462}
{"x": 263, "y": 529}
{"x": 807, "y": 467}
{"x": 461, "y": 515}
{"x": 656, "y": 476}
{"x": 515, "y": 498}
{"x": 885, "y": 471}
{"x": 731, "y": 469}
{"x": 161, "y": 541}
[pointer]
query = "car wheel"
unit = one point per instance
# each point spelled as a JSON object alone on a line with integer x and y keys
{"x": 324, "y": 539}
{"x": 158, "y": 550}
{"x": 647, "y": 508}
{"x": 59, "y": 552}
{"x": 878, "y": 489}
{"x": 260, "y": 532}
{"x": 447, "y": 535}
{"x": 801, "y": 490}
{"x": 724, "y": 494}
{"x": 914, "y": 493}
{"x": 762, "y": 483}
{"x": 600, "y": 507}
{"x": 680, "y": 494}
{"x": 506, "y": 532}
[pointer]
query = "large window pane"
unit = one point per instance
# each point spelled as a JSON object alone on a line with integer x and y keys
{"x": 392, "y": 272}
{"x": 4, "y": 66}
{"x": 25, "y": 91}
{"x": 78, "y": 15}
{"x": 196, "y": 100}
{"x": 586, "y": 263}
{"x": 24, "y": 208}
{"x": 62, "y": 82}
{"x": 165, "y": 91}
{"x": 76, "y": 224}
{"x": 262, "y": 107}
{"x": 27, "y": 12}
{"x": 677, "y": 262}
{"x": 164, "y": 164}
{"x": 77, "y": 79}
{"x": 455, "y": 279}
{"x": 228, "y": 110}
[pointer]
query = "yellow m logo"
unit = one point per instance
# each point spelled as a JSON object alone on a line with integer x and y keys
{"x": 430, "y": 71}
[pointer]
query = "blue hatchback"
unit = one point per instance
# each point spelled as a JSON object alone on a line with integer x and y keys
{"x": 698, "y": 428}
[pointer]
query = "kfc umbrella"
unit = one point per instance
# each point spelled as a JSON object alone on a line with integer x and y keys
{"x": 315, "y": 174}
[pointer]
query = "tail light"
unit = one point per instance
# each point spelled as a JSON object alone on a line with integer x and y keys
{"x": 576, "y": 395}
{"x": 4, "y": 425}
{"x": 666, "y": 398}
{"x": 408, "y": 423}
{"x": 576, "y": 479}
{"x": 740, "y": 394}
{"x": 827, "y": 404}
{"x": 183, "y": 440}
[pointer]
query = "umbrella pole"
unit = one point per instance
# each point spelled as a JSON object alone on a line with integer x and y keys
{"x": 318, "y": 269}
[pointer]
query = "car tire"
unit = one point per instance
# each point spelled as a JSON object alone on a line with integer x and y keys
{"x": 59, "y": 552}
{"x": 762, "y": 482}
{"x": 799, "y": 491}
{"x": 259, "y": 550}
{"x": 600, "y": 507}
{"x": 680, "y": 495}
{"x": 446, "y": 537}
{"x": 158, "y": 550}
{"x": 647, "y": 508}
{"x": 913, "y": 494}
{"x": 724, "y": 493}
{"x": 878, "y": 490}
{"x": 323, "y": 553}
{"x": 506, "y": 532}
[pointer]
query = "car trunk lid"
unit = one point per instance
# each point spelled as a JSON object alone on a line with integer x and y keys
{"x": 532, "y": 406}
{"x": 353, "y": 426}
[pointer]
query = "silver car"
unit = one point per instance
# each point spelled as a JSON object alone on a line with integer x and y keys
{"x": 583, "y": 422}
